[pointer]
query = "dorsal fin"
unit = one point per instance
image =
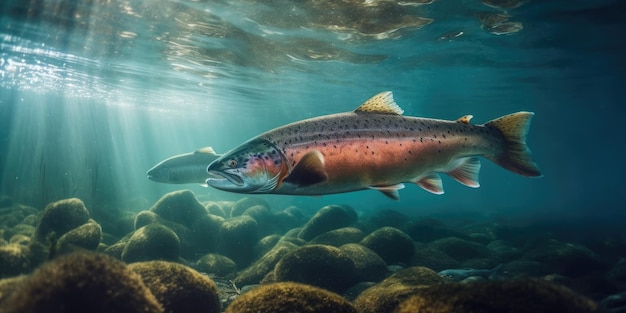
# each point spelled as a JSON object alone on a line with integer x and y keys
{"x": 465, "y": 119}
{"x": 381, "y": 103}
{"x": 205, "y": 150}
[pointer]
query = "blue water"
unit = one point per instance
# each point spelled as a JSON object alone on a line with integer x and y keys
{"x": 94, "y": 93}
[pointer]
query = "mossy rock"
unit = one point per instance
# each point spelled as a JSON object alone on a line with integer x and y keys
{"x": 391, "y": 244}
{"x": 205, "y": 233}
{"x": 180, "y": 206}
{"x": 389, "y": 218}
{"x": 429, "y": 229}
{"x": 178, "y": 288}
{"x": 255, "y": 272}
{"x": 524, "y": 296}
{"x": 264, "y": 218}
{"x": 15, "y": 259}
{"x": 318, "y": 265}
{"x": 152, "y": 242}
{"x": 144, "y": 218}
{"x": 289, "y": 297}
{"x": 266, "y": 244}
{"x": 432, "y": 258}
{"x": 239, "y": 235}
{"x": 326, "y": 219}
{"x": 564, "y": 258}
{"x": 81, "y": 282}
{"x": 215, "y": 208}
{"x": 60, "y": 217}
{"x": 245, "y": 203}
{"x": 461, "y": 249}
{"x": 339, "y": 237}
{"x": 388, "y": 294}
{"x": 368, "y": 265}
{"x": 86, "y": 236}
{"x": 285, "y": 221}
{"x": 9, "y": 285}
{"x": 216, "y": 264}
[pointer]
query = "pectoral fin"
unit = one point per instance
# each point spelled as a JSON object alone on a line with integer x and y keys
{"x": 431, "y": 183}
{"x": 390, "y": 191}
{"x": 310, "y": 170}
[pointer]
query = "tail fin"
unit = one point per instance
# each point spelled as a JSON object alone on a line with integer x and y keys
{"x": 516, "y": 156}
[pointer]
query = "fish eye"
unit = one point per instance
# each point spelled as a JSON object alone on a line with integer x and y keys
{"x": 231, "y": 163}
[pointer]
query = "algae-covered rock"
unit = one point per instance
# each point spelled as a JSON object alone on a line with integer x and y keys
{"x": 264, "y": 218}
{"x": 216, "y": 264}
{"x": 389, "y": 293}
{"x": 60, "y": 217}
{"x": 8, "y": 286}
{"x": 245, "y": 203}
{"x": 564, "y": 258}
{"x": 391, "y": 244}
{"x": 82, "y": 282}
{"x": 86, "y": 236}
{"x": 339, "y": 237}
{"x": 115, "y": 250}
{"x": 368, "y": 266}
{"x": 14, "y": 260}
{"x": 216, "y": 209}
{"x": 289, "y": 297}
{"x": 266, "y": 244}
{"x": 152, "y": 242}
{"x": 180, "y": 206}
{"x": 178, "y": 288}
{"x": 239, "y": 236}
{"x": 433, "y": 258}
{"x": 205, "y": 233}
{"x": 527, "y": 296}
{"x": 319, "y": 265}
{"x": 255, "y": 272}
{"x": 461, "y": 249}
{"x": 326, "y": 219}
{"x": 429, "y": 229}
{"x": 144, "y": 218}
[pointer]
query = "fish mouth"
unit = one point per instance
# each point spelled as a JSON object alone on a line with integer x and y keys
{"x": 220, "y": 177}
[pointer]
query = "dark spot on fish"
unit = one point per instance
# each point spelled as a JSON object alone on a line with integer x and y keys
{"x": 444, "y": 136}
{"x": 439, "y": 141}
{"x": 276, "y": 162}
{"x": 438, "y": 150}
{"x": 386, "y": 142}
{"x": 400, "y": 145}
{"x": 410, "y": 152}
{"x": 292, "y": 154}
{"x": 372, "y": 152}
{"x": 335, "y": 146}
{"x": 324, "y": 144}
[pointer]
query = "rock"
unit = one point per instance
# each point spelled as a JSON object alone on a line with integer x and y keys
{"x": 288, "y": 297}
{"x": 339, "y": 237}
{"x": 522, "y": 269}
{"x": 255, "y": 272}
{"x": 14, "y": 260}
{"x": 60, "y": 217}
{"x": 391, "y": 244}
{"x": 617, "y": 273}
{"x": 368, "y": 266}
{"x": 21, "y": 229}
{"x": 19, "y": 240}
{"x": 243, "y": 204}
{"x": 217, "y": 265}
{"x": 216, "y": 209}
{"x": 461, "y": 249}
{"x": 81, "y": 282}
{"x": 180, "y": 206}
{"x": 264, "y": 218}
{"x": 433, "y": 258}
{"x": 504, "y": 250}
{"x": 326, "y": 219}
{"x": 429, "y": 229}
{"x": 297, "y": 213}
{"x": 86, "y": 236}
{"x": 389, "y": 218}
{"x": 497, "y": 296}
{"x": 388, "y": 294}
{"x": 564, "y": 258}
{"x": 266, "y": 244}
{"x": 285, "y": 221}
{"x": 8, "y": 286}
{"x": 205, "y": 234}
{"x": 318, "y": 265}
{"x": 144, "y": 218}
{"x": 177, "y": 287}
{"x": 115, "y": 250}
{"x": 239, "y": 236}
{"x": 152, "y": 242}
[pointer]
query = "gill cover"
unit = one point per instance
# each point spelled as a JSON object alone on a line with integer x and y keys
{"x": 253, "y": 167}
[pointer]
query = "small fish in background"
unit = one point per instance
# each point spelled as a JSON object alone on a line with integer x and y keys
{"x": 372, "y": 147}
{"x": 449, "y": 36}
{"x": 464, "y": 273}
{"x": 185, "y": 168}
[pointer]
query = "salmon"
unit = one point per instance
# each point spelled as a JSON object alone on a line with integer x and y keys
{"x": 372, "y": 147}
{"x": 184, "y": 168}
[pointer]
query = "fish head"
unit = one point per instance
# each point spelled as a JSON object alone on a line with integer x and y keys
{"x": 159, "y": 173}
{"x": 256, "y": 166}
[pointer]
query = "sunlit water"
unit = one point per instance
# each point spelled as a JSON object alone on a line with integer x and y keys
{"x": 93, "y": 93}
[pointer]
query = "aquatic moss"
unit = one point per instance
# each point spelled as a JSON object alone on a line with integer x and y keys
{"x": 152, "y": 242}
{"x": 60, "y": 217}
{"x": 289, "y": 297}
{"x": 177, "y": 287}
{"x": 326, "y": 219}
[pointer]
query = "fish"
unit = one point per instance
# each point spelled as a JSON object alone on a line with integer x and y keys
{"x": 184, "y": 168}
{"x": 463, "y": 273}
{"x": 373, "y": 147}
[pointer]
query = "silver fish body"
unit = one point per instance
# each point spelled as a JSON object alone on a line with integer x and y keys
{"x": 184, "y": 168}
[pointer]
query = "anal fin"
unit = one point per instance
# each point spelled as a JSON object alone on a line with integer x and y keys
{"x": 309, "y": 170}
{"x": 390, "y": 191}
{"x": 465, "y": 171}
{"x": 431, "y": 183}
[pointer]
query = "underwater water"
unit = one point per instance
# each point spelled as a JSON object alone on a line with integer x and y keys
{"x": 94, "y": 93}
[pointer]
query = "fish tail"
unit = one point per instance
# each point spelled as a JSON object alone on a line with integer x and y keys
{"x": 516, "y": 156}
